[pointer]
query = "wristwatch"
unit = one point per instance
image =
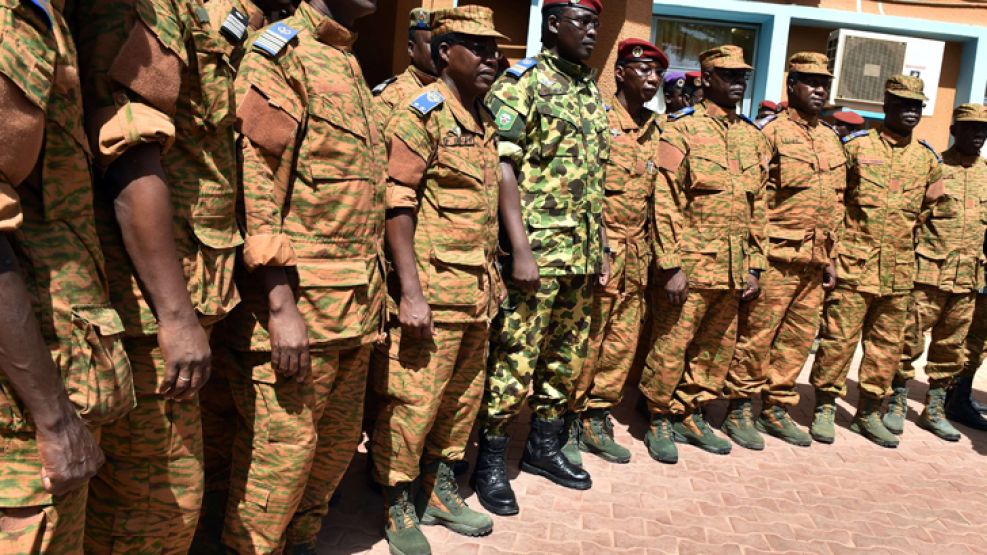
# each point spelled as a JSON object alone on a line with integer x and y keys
{"x": 755, "y": 273}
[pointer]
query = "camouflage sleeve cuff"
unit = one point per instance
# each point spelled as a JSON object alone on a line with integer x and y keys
{"x": 510, "y": 151}
{"x": 757, "y": 262}
{"x": 10, "y": 208}
{"x": 399, "y": 196}
{"x": 268, "y": 250}
{"x": 118, "y": 129}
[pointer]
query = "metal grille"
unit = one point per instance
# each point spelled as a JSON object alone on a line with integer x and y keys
{"x": 867, "y": 64}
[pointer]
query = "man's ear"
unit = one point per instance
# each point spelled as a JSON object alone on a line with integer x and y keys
{"x": 706, "y": 76}
{"x": 618, "y": 74}
{"x": 553, "y": 24}
{"x": 411, "y": 48}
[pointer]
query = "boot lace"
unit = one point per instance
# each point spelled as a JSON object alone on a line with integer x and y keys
{"x": 446, "y": 483}
{"x": 898, "y": 404}
{"x": 663, "y": 428}
{"x": 936, "y": 408}
{"x": 827, "y": 412}
{"x": 402, "y": 512}
{"x": 701, "y": 423}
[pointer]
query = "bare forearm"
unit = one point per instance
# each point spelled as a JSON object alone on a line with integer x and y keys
{"x": 400, "y": 230}
{"x": 277, "y": 287}
{"x": 510, "y": 211}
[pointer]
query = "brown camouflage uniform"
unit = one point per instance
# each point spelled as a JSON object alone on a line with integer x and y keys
{"x": 313, "y": 175}
{"x": 158, "y": 71}
{"x": 444, "y": 166}
{"x": 875, "y": 260}
{"x": 804, "y": 199}
{"x": 619, "y": 307}
{"x": 950, "y": 270}
{"x": 715, "y": 165}
{"x": 392, "y": 92}
{"x": 551, "y": 124}
{"x": 976, "y": 338}
{"x": 49, "y": 221}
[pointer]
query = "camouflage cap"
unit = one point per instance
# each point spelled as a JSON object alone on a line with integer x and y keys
{"x": 809, "y": 62}
{"x": 906, "y": 86}
{"x": 727, "y": 56}
{"x": 468, "y": 20}
{"x": 420, "y": 19}
{"x": 970, "y": 112}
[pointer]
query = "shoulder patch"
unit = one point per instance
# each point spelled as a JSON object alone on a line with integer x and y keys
{"x": 765, "y": 120}
{"x": 235, "y": 26}
{"x": 928, "y": 146}
{"x": 43, "y": 7}
{"x": 687, "y": 111}
{"x": 854, "y": 135}
{"x": 383, "y": 85}
{"x": 273, "y": 40}
{"x": 522, "y": 67}
{"x": 426, "y": 102}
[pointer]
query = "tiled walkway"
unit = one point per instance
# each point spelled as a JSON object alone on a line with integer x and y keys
{"x": 927, "y": 497}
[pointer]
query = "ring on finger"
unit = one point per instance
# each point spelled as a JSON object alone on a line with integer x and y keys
{"x": 184, "y": 379}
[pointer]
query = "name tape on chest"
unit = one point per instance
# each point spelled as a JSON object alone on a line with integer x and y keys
{"x": 275, "y": 38}
{"x": 426, "y": 102}
{"x": 383, "y": 85}
{"x": 522, "y": 67}
{"x": 854, "y": 135}
{"x": 235, "y": 26}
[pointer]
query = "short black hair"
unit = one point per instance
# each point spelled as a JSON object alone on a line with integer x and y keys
{"x": 449, "y": 38}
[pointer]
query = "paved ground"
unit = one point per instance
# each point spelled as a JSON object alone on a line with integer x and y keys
{"x": 927, "y": 496}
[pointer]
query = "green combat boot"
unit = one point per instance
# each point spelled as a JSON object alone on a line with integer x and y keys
{"x": 823, "y": 427}
{"x": 867, "y": 423}
{"x": 894, "y": 418}
{"x": 933, "y": 418}
{"x": 596, "y": 437}
{"x": 776, "y": 421}
{"x": 692, "y": 428}
{"x": 446, "y": 507}
{"x": 404, "y": 537}
{"x": 659, "y": 440}
{"x": 739, "y": 425}
{"x": 572, "y": 440}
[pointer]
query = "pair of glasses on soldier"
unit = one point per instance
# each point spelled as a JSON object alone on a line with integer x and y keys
{"x": 586, "y": 23}
{"x": 732, "y": 75}
{"x": 480, "y": 49}
{"x": 645, "y": 70}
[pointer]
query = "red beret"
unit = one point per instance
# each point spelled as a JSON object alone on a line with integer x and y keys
{"x": 783, "y": 105}
{"x": 696, "y": 78}
{"x": 634, "y": 50}
{"x": 594, "y": 5}
{"x": 769, "y": 105}
{"x": 848, "y": 117}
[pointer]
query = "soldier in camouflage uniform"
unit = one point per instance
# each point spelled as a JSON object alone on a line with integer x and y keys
{"x": 420, "y": 72}
{"x": 950, "y": 270}
{"x": 804, "y": 199}
{"x": 891, "y": 178}
{"x": 159, "y": 100}
{"x": 553, "y": 144}
{"x": 442, "y": 193}
{"x": 960, "y": 406}
{"x": 313, "y": 177}
{"x": 63, "y": 370}
{"x": 619, "y": 306}
{"x": 673, "y": 87}
{"x": 711, "y": 250}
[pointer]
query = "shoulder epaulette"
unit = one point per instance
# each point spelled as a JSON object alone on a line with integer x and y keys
{"x": 765, "y": 120}
{"x": 830, "y": 127}
{"x": 522, "y": 67}
{"x": 749, "y": 120}
{"x": 607, "y": 107}
{"x": 44, "y": 9}
{"x": 427, "y": 101}
{"x": 928, "y": 146}
{"x": 688, "y": 110}
{"x": 383, "y": 85}
{"x": 273, "y": 40}
{"x": 235, "y": 26}
{"x": 854, "y": 135}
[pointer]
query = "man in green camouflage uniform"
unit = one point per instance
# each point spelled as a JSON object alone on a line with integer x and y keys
{"x": 63, "y": 370}
{"x": 711, "y": 250}
{"x": 442, "y": 193}
{"x": 619, "y": 306}
{"x": 553, "y": 144}
{"x": 313, "y": 187}
{"x": 392, "y": 92}
{"x": 950, "y": 270}
{"x": 804, "y": 198}
{"x": 159, "y": 99}
{"x": 891, "y": 178}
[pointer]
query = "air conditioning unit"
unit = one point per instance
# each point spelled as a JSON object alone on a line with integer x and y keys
{"x": 863, "y": 61}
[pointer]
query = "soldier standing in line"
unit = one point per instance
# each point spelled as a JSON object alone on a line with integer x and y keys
{"x": 554, "y": 141}
{"x": 159, "y": 100}
{"x": 711, "y": 250}
{"x": 804, "y": 198}
{"x": 619, "y": 306}
{"x": 950, "y": 270}
{"x": 63, "y": 370}
{"x": 420, "y": 72}
{"x": 673, "y": 86}
{"x": 891, "y": 178}
{"x": 960, "y": 405}
{"x": 442, "y": 202}
{"x": 694, "y": 87}
{"x": 313, "y": 178}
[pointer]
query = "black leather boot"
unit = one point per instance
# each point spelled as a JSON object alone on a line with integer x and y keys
{"x": 543, "y": 456}
{"x": 959, "y": 406}
{"x": 489, "y": 479}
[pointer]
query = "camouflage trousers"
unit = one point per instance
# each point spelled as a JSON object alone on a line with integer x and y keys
{"x": 293, "y": 444}
{"x": 32, "y": 522}
{"x": 976, "y": 339}
{"x": 949, "y": 316}
{"x": 775, "y": 334}
{"x": 878, "y": 322}
{"x": 614, "y": 333}
{"x": 541, "y": 337}
{"x": 429, "y": 395}
{"x": 692, "y": 349}
{"x": 146, "y": 498}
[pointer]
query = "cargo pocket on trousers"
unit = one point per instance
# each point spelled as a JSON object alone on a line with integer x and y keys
{"x": 24, "y": 535}
{"x": 332, "y": 297}
{"x": 98, "y": 380}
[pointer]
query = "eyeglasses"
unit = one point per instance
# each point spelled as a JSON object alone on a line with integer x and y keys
{"x": 646, "y": 70}
{"x": 481, "y": 50}
{"x": 732, "y": 75}
{"x": 584, "y": 23}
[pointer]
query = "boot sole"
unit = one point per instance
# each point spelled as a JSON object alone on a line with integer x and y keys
{"x": 745, "y": 445}
{"x": 931, "y": 430}
{"x": 395, "y": 551}
{"x": 530, "y": 469}
{"x": 873, "y": 439}
{"x": 773, "y": 433}
{"x": 679, "y": 438}
{"x": 603, "y": 454}
{"x": 659, "y": 459}
{"x": 490, "y": 507}
{"x": 823, "y": 439}
{"x": 461, "y": 529}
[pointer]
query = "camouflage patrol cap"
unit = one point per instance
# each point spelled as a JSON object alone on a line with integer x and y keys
{"x": 906, "y": 86}
{"x": 467, "y": 20}
{"x": 727, "y": 56}
{"x": 970, "y": 112}
{"x": 809, "y": 62}
{"x": 420, "y": 19}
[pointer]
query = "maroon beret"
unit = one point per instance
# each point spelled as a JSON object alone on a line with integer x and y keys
{"x": 769, "y": 105}
{"x": 638, "y": 50}
{"x": 848, "y": 117}
{"x": 593, "y": 5}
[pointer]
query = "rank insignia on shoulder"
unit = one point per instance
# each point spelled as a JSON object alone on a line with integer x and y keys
{"x": 928, "y": 146}
{"x": 854, "y": 135}
{"x": 688, "y": 110}
{"x": 607, "y": 107}
{"x": 749, "y": 120}
{"x": 522, "y": 67}
{"x": 275, "y": 38}
{"x": 426, "y": 102}
{"x": 235, "y": 26}
{"x": 44, "y": 7}
{"x": 765, "y": 120}
{"x": 383, "y": 85}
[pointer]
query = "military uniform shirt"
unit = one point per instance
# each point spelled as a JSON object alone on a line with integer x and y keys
{"x": 238, "y": 22}
{"x": 392, "y": 94}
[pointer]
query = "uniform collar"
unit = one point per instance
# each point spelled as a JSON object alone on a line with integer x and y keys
{"x": 624, "y": 117}
{"x": 255, "y": 16}
{"x": 462, "y": 115}
{"x": 420, "y": 76}
{"x": 798, "y": 118}
{"x": 714, "y": 111}
{"x": 953, "y": 157}
{"x": 578, "y": 71}
{"x": 325, "y": 29}
{"x": 893, "y": 138}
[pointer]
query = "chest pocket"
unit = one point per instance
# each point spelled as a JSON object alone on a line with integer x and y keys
{"x": 870, "y": 190}
{"x": 560, "y": 133}
{"x": 797, "y": 163}
{"x": 212, "y": 100}
{"x": 336, "y": 139}
{"x": 461, "y": 175}
{"x": 709, "y": 171}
